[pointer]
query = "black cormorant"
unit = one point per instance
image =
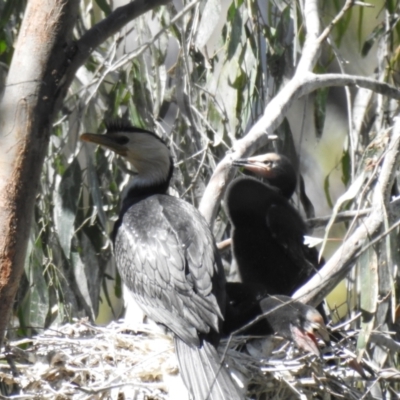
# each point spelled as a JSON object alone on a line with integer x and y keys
{"x": 268, "y": 232}
{"x": 291, "y": 319}
{"x": 166, "y": 255}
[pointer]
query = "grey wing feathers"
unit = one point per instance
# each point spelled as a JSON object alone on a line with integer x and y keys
{"x": 168, "y": 262}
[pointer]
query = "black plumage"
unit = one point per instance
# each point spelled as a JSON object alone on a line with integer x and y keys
{"x": 166, "y": 255}
{"x": 291, "y": 319}
{"x": 243, "y": 306}
{"x": 267, "y": 231}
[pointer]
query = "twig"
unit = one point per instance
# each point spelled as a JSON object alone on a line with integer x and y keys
{"x": 340, "y": 217}
{"x": 339, "y": 16}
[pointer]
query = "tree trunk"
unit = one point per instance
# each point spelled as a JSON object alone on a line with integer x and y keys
{"x": 26, "y": 112}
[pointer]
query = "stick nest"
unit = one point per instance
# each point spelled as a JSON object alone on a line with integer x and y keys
{"x": 83, "y": 361}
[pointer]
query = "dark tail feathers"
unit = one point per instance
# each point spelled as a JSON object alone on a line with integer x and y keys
{"x": 204, "y": 375}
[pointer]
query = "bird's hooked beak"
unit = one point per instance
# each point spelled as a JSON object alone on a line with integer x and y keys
{"x": 106, "y": 140}
{"x": 313, "y": 329}
{"x": 255, "y": 164}
{"x": 246, "y": 162}
{"x": 319, "y": 330}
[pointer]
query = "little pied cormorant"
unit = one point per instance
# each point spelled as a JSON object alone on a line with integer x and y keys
{"x": 166, "y": 255}
{"x": 268, "y": 232}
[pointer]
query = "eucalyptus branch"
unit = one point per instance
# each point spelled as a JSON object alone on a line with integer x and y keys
{"x": 329, "y": 80}
{"x": 324, "y": 35}
{"x": 342, "y": 260}
{"x": 110, "y": 25}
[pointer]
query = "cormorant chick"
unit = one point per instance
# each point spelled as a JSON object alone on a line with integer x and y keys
{"x": 288, "y": 318}
{"x": 166, "y": 255}
{"x": 268, "y": 232}
{"x": 275, "y": 169}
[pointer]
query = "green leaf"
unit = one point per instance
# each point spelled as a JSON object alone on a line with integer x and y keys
{"x": 346, "y": 167}
{"x": 320, "y": 110}
{"x": 66, "y": 205}
{"x": 372, "y": 38}
{"x": 390, "y": 6}
{"x": 208, "y": 22}
{"x": 103, "y": 5}
{"x": 360, "y": 24}
{"x": 326, "y": 190}
{"x": 216, "y": 121}
{"x": 6, "y": 12}
{"x": 95, "y": 190}
{"x": 343, "y": 24}
{"x": 236, "y": 34}
{"x": 39, "y": 296}
{"x": 368, "y": 265}
{"x": 118, "y": 285}
{"x": 87, "y": 276}
{"x": 286, "y": 143}
{"x": 3, "y": 46}
{"x": 36, "y": 304}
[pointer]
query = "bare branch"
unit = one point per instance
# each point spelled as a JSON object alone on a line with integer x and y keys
{"x": 340, "y": 217}
{"x": 329, "y": 80}
{"x": 311, "y": 46}
{"x": 339, "y": 264}
{"x": 112, "y": 24}
{"x": 324, "y": 35}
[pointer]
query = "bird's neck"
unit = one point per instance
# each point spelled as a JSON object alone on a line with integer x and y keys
{"x": 145, "y": 185}
{"x": 138, "y": 189}
{"x": 137, "y": 192}
{"x": 286, "y": 184}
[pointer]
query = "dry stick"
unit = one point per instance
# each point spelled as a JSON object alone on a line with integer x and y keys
{"x": 340, "y": 217}
{"x": 340, "y": 263}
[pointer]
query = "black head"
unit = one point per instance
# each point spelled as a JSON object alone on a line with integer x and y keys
{"x": 274, "y": 168}
{"x": 295, "y": 321}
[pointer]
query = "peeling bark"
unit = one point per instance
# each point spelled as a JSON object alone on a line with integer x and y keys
{"x": 26, "y": 113}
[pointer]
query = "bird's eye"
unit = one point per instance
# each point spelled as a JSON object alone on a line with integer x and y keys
{"x": 121, "y": 140}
